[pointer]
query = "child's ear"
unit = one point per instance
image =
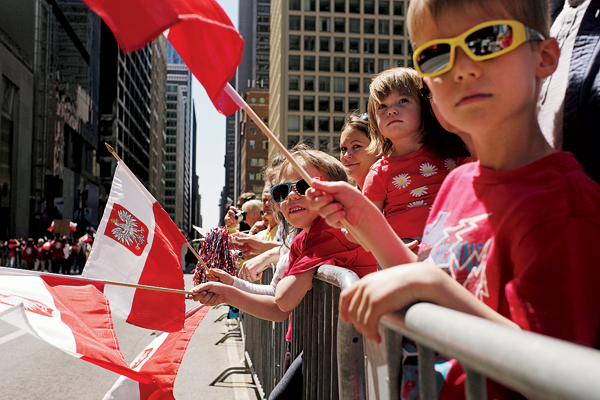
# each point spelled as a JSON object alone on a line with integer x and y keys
{"x": 548, "y": 55}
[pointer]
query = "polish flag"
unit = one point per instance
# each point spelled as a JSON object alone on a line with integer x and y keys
{"x": 70, "y": 313}
{"x": 160, "y": 359}
{"x": 72, "y": 226}
{"x": 137, "y": 242}
{"x": 199, "y": 30}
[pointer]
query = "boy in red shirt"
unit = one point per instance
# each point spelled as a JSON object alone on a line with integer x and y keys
{"x": 510, "y": 238}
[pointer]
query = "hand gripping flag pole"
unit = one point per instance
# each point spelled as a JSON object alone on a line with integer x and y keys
{"x": 233, "y": 94}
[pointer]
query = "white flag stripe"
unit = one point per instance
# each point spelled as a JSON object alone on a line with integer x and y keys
{"x": 127, "y": 192}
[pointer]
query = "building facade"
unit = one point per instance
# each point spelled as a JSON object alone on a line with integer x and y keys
{"x": 254, "y": 143}
{"x": 324, "y": 54}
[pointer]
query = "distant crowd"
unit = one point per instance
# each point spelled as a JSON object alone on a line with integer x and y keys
{"x": 59, "y": 255}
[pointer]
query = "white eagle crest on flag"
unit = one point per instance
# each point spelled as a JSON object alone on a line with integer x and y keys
{"x": 127, "y": 232}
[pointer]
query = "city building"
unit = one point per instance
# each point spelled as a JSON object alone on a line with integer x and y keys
{"x": 158, "y": 127}
{"x": 254, "y": 143}
{"x": 323, "y": 56}
{"x": 178, "y": 156}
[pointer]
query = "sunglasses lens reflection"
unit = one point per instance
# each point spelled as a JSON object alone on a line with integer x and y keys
{"x": 302, "y": 187}
{"x": 280, "y": 192}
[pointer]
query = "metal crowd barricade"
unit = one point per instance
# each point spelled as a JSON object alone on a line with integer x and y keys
{"x": 333, "y": 358}
{"x": 537, "y": 366}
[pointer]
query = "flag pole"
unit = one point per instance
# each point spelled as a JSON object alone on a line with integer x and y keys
{"x": 297, "y": 167}
{"x": 155, "y": 288}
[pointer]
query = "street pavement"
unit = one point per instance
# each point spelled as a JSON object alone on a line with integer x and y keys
{"x": 33, "y": 370}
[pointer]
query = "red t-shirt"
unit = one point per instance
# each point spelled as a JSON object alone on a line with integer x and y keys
{"x": 522, "y": 241}
{"x": 407, "y": 186}
{"x": 57, "y": 249}
{"x": 326, "y": 245}
{"x": 42, "y": 253}
{"x": 29, "y": 254}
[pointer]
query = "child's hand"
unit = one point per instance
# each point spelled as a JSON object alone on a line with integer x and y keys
{"x": 336, "y": 201}
{"x": 252, "y": 269}
{"x": 218, "y": 275}
{"x": 211, "y": 293}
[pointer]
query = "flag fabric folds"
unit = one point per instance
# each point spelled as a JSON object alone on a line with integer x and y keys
{"x": 160, "y": 359}
{"x": 69, "y": 313}
{"x": 199, "y": 30}
{"x": 137, "y": 242}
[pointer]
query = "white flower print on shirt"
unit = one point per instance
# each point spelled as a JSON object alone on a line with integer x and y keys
{"x": 450, "y": 164}
{"x": 401, "y": 181}
{"x": 418, "y": 203}
{"x": 428, "y": 169}
{"x": 418, "y": 192}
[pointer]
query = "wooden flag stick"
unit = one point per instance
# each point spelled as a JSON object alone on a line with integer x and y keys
{"x": 156, "y": 288}
{"x": 112, "y": 151}
{"x": 297, "y": 167}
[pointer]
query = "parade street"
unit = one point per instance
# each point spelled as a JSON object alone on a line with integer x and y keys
{"x": 32, "y": 370}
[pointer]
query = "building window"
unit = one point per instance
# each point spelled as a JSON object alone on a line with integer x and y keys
{"x": 324, "y": 5}
{"x": 294, "y": 42}
{"x": 309, "y": 141}
{"x": 369, "y": 66}
{"x": 384, "y": 64}
{"x": 293, "y": 124}
{"x": 252, "y": 144}
{"x": 251, "y": 176}
{"x": 399, "y": 63}
{"x": 354, "y": 25}
{"x": 339, "y": 64}
{"x": 293, "y": 103}
{"x": 310, "y": 23}
{"x": 339, "y": 84}
{"x": 309, "y": 5}
{"x": 265, "y": 145}
{"x": 399, "y": 47}
{"x": 399, "y": 28}
{"x": 366, "y": 84}
{"x": 354, "y": 45}
{"x": 308, "y": 123}
{"x": 309, "y": 63}
{"x": 354, "y": 85}
{"x": 309, "y": 43}
{"x": 384, "y": 27}
{"x": 324, "y": 124}
{"x": 384, "y": 46}
{"x": 340, "y": 6}
{"x": 369, "y": 6}
{"x": 324, "y": 64}
{"x": 339, "y": 25}
{"x": 295, "y": 5}
{"x": 354, "y": 65}
{"x": 338, "y": 124}
{"x": 294, "y": 82}
{"x": 295, "y": 23}
{"x": 324, "y": 143}
{"x": 253, "y": 131}
{"x": 340, "y": 45}
{"x": 324, "y": 104}
{"x": 369, "y": 46}
{"x": 294, "y": 63}
{"x": 309, "y": 83}
{"x": 354, "y": 6}
{"x": 309, "y": 103}
{"x": 353, "y": 103}
{"x": 369, "y": 26}
{"x": 325, "y": 24}
{"x": 338, "y": 104}
{"x": 324, "y": 44}
{"x": 398, "y": 8}
{"x": 324, "y": 84}
{"x": 384, "y": 7}
{"x": 265, "y": 120}
{"x": 292, "y": 140}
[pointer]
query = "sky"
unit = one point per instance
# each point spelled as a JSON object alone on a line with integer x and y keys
{"x": 210, "y": 151}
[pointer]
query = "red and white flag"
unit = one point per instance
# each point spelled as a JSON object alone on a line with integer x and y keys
{"x": 72, "y": 226}
{"x": 69, "y": 313}
{"x": 199, "y": 30}
{"x": 160, "y": 359}
{"x": 137, "y": 242}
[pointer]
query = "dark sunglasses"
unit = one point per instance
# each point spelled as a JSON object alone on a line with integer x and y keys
{"x": 281, "y": 191}
{"x": 484, "y": 41}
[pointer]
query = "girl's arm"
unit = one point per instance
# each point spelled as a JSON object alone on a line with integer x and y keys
{"x": 338, "y": 200}
{"x": 252, "y": 269}
{"x": 291, "y": 290}
{"x": 261, "y": 306}
{"x": 379, "y": 293}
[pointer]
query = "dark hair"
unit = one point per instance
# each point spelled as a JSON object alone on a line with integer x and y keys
{"x": 358, "y": 121}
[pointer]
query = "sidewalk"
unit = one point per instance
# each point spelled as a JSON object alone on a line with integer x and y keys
{"x": 205, "y": 360}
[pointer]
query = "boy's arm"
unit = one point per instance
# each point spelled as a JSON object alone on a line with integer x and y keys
{"x": 379, "y": 293}
{"x": 338, "y": 200}
{"x": 291, "y": 290}
{"x": 261, "y": 306}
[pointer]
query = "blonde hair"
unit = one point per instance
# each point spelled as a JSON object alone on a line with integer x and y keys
{"x": 533, "y": 13}
{"x": 358, "y": 121}
{"x": 401, "y": 81}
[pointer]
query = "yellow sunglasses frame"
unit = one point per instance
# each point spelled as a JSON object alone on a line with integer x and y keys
{"x": 521, "y": 34}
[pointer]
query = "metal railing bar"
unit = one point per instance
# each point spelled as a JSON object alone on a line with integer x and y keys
{"x": 538, "y": 366}
{"x": 475, "y": 387}
{"x": 427, "y": 381}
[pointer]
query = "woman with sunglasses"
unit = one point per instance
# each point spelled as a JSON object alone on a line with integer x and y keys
{"x": 354, "y": 140}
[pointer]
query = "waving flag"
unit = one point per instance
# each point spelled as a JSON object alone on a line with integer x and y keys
{"x": 199, "y": 30}
{"x": 137, "y": 242}
{"x": 160, "y": 359}
{"x": 69, "y": 313}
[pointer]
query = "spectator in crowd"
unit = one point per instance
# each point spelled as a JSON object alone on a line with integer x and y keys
{"x": 570, "y": 99}
{"x": 13, "y": 249}
{"x": 57, "y": 251}
{"x": 493, "y": 245}
{"x": 29, "y": 254}
{"x": 253, "y": 212}
{"x": 42, "y": 256}
{"x": 354, "y": 140}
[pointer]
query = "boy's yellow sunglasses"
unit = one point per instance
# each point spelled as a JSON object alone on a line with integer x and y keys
{"x": 482, "y": 42}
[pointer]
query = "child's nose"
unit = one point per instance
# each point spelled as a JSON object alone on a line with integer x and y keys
{"x": 464, "y": 66}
